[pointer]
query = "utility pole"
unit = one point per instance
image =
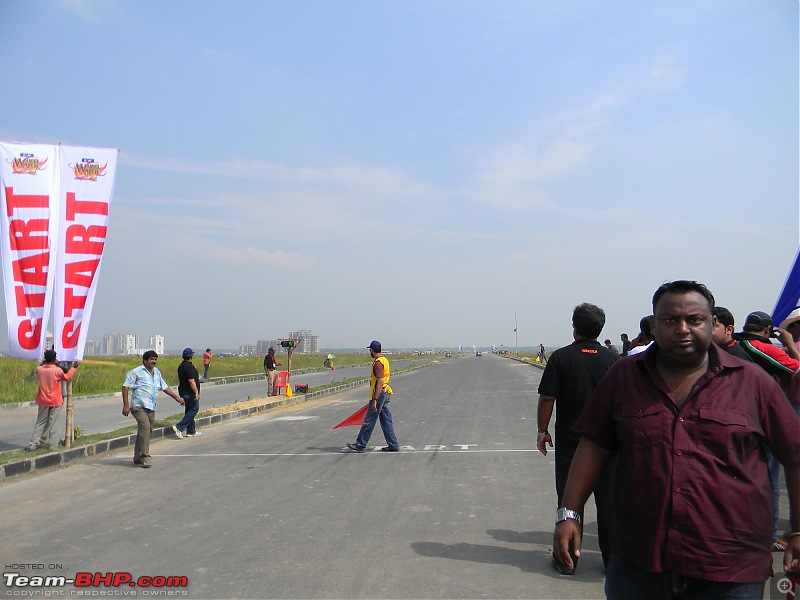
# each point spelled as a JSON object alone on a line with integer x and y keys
{"x": 516, "y": 345}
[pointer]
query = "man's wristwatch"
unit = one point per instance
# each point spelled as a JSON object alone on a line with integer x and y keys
{"x": 562, "y": 514}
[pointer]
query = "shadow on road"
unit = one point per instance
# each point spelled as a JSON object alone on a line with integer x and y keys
{"x": 534, "y": 560}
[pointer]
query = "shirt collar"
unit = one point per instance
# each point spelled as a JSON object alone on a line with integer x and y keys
{"x": 718, "y": 359}
{"x": 746, "y": 335}
{"x": 587, "y": 341}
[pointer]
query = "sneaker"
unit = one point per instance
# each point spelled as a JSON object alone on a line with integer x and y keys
{"x": 193, "y": 434}
{"x": 778, "y": 546}
{"x": 354, "y": 448}
{"x": 178, "y": 432}
{"x": 389, "y": 449}
{"x": 562, "y": 569}
{"x": 32, "y": 448}
{"x": 146, "y": 464}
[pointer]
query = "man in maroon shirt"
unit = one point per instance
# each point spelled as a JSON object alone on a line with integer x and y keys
{"x": 692, "y": 496}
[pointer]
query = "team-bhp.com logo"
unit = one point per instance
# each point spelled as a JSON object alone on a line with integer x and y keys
{"x": 88, "y": 170}
{"x": 156, "y": 585}
{"x": 27, "y": 164}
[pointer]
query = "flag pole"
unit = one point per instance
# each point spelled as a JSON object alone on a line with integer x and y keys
{"x": 66, "y": 391}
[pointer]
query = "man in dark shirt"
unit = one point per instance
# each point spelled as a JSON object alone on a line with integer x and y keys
{"x": 189, "y": 391}
{"x": 270, "y": 367}
{"x": 722, "y": 334}
{"x": 568, "y": 380}
{"x": 693, "y": 500}
{"x": 626, "y": 343}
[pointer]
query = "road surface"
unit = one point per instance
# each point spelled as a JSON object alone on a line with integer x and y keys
{"x": 270, "y": 507}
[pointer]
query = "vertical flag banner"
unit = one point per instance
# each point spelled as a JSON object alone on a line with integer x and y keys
{"x": 789, "y": 298}
{"x": 86, "y": 186}
{"x": 29, "y": 221}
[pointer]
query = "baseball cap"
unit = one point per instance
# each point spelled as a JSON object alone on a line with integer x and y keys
{"x": 375, "y": 345}
{"x": 791, "y": 318}
{"x": 270, "y": 349}
{"x": 759, "y": 318}
{"x": 188, "y": 352}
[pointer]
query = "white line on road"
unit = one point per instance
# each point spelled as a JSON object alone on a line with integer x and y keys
{"x": 375, "y": 450}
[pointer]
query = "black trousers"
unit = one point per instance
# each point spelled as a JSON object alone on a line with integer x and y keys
{"x": 603, "y": 496}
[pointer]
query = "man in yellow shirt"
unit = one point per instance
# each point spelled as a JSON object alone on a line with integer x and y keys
{"x": 380, "y": 392}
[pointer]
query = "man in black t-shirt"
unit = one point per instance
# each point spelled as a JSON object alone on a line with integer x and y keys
{"x": 569, "y": 379}
{"x": 189, "y": 391}
{"x": 270, "y": 367}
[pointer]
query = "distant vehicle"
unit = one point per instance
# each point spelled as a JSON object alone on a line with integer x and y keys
{"x": 448, "y": 354}
{"x": 478, "y": 354}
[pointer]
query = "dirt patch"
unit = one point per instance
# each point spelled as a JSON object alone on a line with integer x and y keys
{"x": 219, "y": 410}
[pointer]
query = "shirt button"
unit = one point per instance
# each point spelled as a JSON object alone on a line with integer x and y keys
{"x": 680, "y": 419}
{"x": 680, "y": 453}
{"x": 678, "y": 490}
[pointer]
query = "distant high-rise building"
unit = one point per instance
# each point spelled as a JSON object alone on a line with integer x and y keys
{"x": 130, "y": 344}
{"x": 112, "y": 344}
{"x": 307, "y": 342}
{"x": 263, "y": 345}
{"x": 156, "y": 342}
{"x": 247, "y": 350}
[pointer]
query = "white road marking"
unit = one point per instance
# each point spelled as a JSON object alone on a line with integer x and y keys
{"x": 375, "y": 450}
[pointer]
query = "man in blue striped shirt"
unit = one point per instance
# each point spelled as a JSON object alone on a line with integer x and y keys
{"x": 145, "y": 381}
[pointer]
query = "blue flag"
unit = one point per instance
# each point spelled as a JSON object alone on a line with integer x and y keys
{"x": 789, "y": 299}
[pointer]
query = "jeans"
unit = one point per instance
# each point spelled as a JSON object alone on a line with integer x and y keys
{"x": 205, "y": 371}
{"x": 627, "y": 581}
{"x": 387, "y": 426}
{"x": 191, "y": 406}
{"x": 145, "y": 419}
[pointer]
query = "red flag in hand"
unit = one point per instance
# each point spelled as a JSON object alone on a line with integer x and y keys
{"x": 357, "y": 418}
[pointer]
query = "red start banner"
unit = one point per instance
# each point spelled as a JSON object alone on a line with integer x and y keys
{"x": 54, "y": 206}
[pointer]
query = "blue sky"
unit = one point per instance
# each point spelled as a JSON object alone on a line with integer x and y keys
{"x": 418, "y": 172}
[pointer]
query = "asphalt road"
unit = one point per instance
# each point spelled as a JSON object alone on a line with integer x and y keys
{"x": 99, "y": 415}
{"x": 270, "y": 507}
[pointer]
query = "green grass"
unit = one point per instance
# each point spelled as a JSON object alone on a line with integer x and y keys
{"x": 105, "y": 374}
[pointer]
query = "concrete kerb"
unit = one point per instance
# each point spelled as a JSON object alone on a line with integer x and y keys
{"x": 63, "y": 458}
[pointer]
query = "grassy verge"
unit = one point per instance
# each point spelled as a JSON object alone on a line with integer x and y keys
{"x": 105, "y": 374}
